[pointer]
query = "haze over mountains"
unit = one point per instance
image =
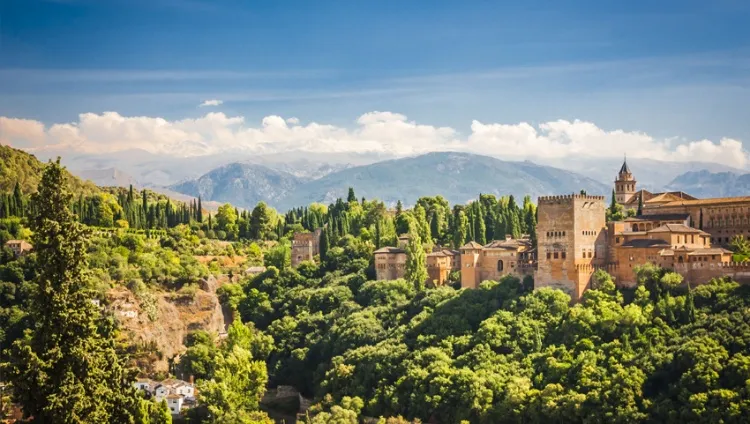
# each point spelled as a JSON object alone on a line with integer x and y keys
{"x": 295, "y": 178}
{"x": 458, "y": 177}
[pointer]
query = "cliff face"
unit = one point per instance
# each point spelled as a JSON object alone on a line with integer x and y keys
{"x": 157, "y": 324}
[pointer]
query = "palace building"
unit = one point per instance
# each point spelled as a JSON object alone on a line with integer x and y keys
{"x": 675, "y": 231}
{"x": 305, "y": 246}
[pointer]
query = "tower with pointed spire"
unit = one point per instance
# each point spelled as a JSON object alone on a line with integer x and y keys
{"x": 624, "y": 184}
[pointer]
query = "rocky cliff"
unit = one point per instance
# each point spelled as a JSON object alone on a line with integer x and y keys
{"x": 156, "y": 323}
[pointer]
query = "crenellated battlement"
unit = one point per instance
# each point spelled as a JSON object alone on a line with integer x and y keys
{"x": 567, "y": 198}
{"x": 610, "y": 268}
{"x": 736, "y": 265}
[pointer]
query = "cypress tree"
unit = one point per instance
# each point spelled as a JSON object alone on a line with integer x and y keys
{"x": 18, "y": 200}
{"x": 67, "y": 369}
{"x": 200, "y": 210}
{"x": 351, "y": 197}
{"x": 324, "y": 244}
{"x": 416, "y": 259}
{"x": 377, "y": 234}
{"x": 480, "y": 230}
{"x": 460, "y": 236}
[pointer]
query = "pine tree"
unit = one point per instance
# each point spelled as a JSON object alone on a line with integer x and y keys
{"x": 416, "y": 259}
{"x": 67, "y": 369}
{"x": 399, "y": 208}
{"x": 351, "y": 197}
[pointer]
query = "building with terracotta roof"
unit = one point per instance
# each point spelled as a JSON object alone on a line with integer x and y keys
{"x": 305, "y": 246}
{"x": 722, "y": 217}
{"x": 440, "y": 264}
{"x": 670, "y": 246}
{"x": 19, "y": 247}
{"x": 390, "y": 263}
{"x": 495, "y": 260}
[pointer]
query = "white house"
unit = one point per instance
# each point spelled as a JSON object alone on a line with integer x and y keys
{"x": 145, "y": 384}
{"x": 174, "y": 402}
{"x": 184, "y": 389}
{"x": 161, "y": 392}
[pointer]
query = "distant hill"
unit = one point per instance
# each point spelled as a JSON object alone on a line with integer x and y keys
{"x": 651, "y": 174}
{"x": 241, "y": 184}
{"x": 712, "y": 184}
{"x": 24, "y": 168}
{"x": 459, "y": 177}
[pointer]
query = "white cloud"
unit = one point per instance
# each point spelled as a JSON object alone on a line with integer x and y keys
{"x": 374, "y": 132}
{"x": 21, "y": 130}
{"x": 213, "y": 102}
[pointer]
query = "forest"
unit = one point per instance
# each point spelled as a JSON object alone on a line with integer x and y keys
{"x": 394, "y": 351}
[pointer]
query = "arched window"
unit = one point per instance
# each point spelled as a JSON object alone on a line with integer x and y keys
{"x": 500, "y": 265}
{"x": 680, "y": 259}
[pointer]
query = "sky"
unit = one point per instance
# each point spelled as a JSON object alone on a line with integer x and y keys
{"x": 518, "y": 80}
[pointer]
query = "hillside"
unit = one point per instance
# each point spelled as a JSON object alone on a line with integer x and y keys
{"x": 712, "y": 184}
{"x": 19, "y": 166}
{"x": 241, "y": 184}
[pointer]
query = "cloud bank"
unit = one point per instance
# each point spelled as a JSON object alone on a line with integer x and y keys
{"x": 374, "y": 132}
{"x": 213, "y": 102}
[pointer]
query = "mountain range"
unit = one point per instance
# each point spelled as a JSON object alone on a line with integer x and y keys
{"x": 712, "y": 184}
{"x": 296, "y": 178}
{"x": 458, "y": 177}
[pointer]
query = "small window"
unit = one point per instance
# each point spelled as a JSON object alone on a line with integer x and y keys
{"x": 549, "y": 255}
{"x": 556, "y": 255}
{"x": 563, "y": 255}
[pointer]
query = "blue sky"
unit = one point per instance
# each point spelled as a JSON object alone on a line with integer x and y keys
{"x": 667, "y": 68}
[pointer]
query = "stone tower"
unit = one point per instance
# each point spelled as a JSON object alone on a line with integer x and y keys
{"x": 624, "y": 184}
{"x": 571, "y": 241}
{"x": 305, "y": 246}
{"x": 470, "y": 265}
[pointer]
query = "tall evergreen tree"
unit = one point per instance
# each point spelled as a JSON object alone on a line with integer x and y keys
{"x": 325, "y": 244}
{"x": 378, "y": 234}
{"x": 351, "y": 197}
{"x": 435, "y": 225}
{"x": 67, "y": 369}
{"x": 18, "y": 200}
{"x": 416, "y": 259}
{"x": 460, "y": 235}
{"x": 399, "y": 208}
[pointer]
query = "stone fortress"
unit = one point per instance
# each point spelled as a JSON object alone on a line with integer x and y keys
{"x": 674, "y": 230}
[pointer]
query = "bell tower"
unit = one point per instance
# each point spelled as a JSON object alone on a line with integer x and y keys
{"x": 624, "y": 184}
